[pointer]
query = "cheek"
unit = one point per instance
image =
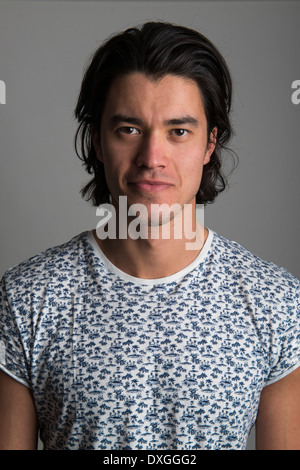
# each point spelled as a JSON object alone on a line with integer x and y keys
{"x": 112, "y": 158}
{"x": 115, "y": 154}
{"x": 115, "y": 162}
{"x": 191, "y": 162}
{"x": 192, "y": 172}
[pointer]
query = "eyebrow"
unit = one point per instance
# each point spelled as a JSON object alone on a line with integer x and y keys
{"x": 182, "y": 120}
{"x": 117, "y": 118}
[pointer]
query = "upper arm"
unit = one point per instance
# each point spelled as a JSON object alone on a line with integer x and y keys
{"x": 18, "y": 423}
{"x": 278, "y": 419}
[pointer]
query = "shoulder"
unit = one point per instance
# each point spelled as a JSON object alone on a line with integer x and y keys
{"x": 54, "y": 262}
{"x": 236, "y": 261}
{"x": 265, "y": 294}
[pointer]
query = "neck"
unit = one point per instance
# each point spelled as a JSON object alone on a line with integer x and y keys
{"x": 163, "y": 250}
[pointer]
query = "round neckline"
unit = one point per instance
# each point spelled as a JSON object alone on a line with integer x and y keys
{"x": 150, "y": 282}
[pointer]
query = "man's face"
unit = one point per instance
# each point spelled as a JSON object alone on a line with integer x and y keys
{"x": 153, "y": 140}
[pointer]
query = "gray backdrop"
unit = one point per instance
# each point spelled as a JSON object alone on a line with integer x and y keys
{"x": 44, "y": 47}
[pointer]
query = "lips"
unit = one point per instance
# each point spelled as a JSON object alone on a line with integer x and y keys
{"x": 150, "y": 185}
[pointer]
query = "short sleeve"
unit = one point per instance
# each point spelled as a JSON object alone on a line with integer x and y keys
{"x": 12, "y": 352}
{"x": 287, "y": 352}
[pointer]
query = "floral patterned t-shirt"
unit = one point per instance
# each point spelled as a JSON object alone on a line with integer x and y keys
{"x": 118, "y": 362}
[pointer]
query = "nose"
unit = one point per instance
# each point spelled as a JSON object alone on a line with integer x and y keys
{"x": 152, "y": 152}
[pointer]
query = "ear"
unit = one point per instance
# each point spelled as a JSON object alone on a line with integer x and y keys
{"x": 97, "y": 144}
{"x": 211, "y": 145}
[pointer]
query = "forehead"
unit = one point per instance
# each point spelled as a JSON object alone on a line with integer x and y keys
{"x": 139, "y": 95}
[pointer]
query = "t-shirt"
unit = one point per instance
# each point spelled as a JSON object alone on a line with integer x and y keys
{"x": 118, "y": 362}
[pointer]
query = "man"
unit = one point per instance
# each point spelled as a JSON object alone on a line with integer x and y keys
{"x": 124, "y": 338}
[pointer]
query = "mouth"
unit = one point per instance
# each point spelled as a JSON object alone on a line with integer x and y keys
{"x": 150, "y": 186}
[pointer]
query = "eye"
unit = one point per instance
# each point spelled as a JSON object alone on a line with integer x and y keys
{"x": 128, "y": 130}
{"x": 179, "y": 132}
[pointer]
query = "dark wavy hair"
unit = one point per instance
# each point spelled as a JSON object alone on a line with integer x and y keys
{"x": 155, "y": 49}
